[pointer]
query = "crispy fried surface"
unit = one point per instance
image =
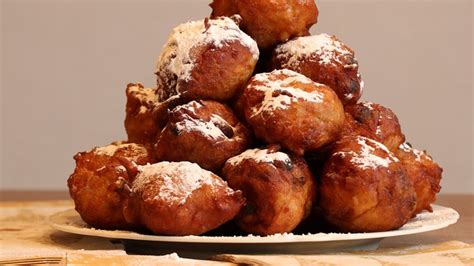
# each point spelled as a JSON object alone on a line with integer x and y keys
{"x": 180, "y": 198}
{"x": 364, "y": 188}
{"x": 140, "y": 111}
{"x": 217, "y": 61}
{"x": 324, "y": 59}
{"x": 279, "y": 190}
{"x": 270, "y": 22}
{"x": 377, "y": 122}
{"x": 424, "y": 173}
{"x": 204, "y": 132}
{"x": 287, "y": 108}
{"x": 98, "y": 181}
{"x": 354, "y": 128}
{"x": 145, "y": 117}
{"x": 220, "y": 75}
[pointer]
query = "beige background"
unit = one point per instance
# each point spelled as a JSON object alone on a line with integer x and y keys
{"x": 65, "y": 64}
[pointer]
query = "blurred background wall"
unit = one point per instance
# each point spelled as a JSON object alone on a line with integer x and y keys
{"x": 65, "y": 65}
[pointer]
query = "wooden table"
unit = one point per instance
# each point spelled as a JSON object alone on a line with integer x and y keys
{"x": 462, "y": 231}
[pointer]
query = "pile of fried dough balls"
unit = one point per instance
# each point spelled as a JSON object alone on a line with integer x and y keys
{"x": 254, "y": 124}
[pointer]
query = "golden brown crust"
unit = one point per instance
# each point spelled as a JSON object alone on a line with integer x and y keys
{"x": 364, "y": 187}
{"x": 270, "y": 22}
{"x": 377, "y": 122}
{"x": 424, "y": 173}
{"x": 324, "y": 59}
{"x": 140, "y": 119}
{"x": 203, "y": 132}
{"x": 210, "y": 59}
{"x": 279, "y": 190}
{"x": 180, "y": 198}
{"x": 145, "y": 116}
{"x": 220, "y": 75}
{"x": 100, "y": 177}
{"x": 353, "y": 128}
{"x": 284, "y": 107}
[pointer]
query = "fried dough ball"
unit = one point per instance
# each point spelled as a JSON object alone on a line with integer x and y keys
{"x": 324, "y": 59}
{"x": 206, "y": 59}
{"x": 364, "y": 187}
{"x": 284, "y": 107}
{"x": 425, "y": 174}
{"x": 145, "y": 116}
{"x": 140, "y": 119}
{"x": 98, "y": 181}
{"x": 203, "y": 132}
{"x": 376, "y": 122}
{"x": 270, "y": 22}
{"x": 180, "y": 198}
{"x": 279, "y": 190}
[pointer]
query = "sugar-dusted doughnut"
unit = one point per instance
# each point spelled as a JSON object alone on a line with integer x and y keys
{"x": 100, "y": 177}
{"x": 364, "y": 187}
{"x": 287, "y": 108}
{"x": 324, "y": 59}
{"x": 180, "y": 198}
{"x": 203, "y": 132}
{"x": 270, "y": 22}
{"x": 377, "y": 122}
{"x": 206, "y": 59}
{"x": 279, "y": 190}
{"x": 424, "y": 172}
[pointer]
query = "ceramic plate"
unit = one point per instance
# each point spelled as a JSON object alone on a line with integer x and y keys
{"x": 70, "y": 221}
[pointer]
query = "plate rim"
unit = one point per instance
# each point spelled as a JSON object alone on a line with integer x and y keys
{"x": 250, "y": 239}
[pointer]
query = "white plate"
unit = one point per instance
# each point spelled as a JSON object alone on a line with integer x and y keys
{"x": 70, "y": 221}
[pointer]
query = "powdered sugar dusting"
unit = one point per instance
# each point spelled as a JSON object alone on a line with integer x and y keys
{"x": 206, "y": 128}
{"x": 427, "y": 218}
{"x": 172, "y": 256}
{"x": 368, "y": 105}
{"x": 121, "y": 168}
{"x": 366, "y": 157}
{"x": 418, "y": 154}
{"x": 281, "y": 93}
{"x": 176, "y": 56}
{"x": 260, "y": 156}
{"x": 176, "y": 180}
{"x": 378, "y": 131}
{"x": 327, "y": 49}
{"x": 189, "y": 107}
{"x": 362, "y": 84}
